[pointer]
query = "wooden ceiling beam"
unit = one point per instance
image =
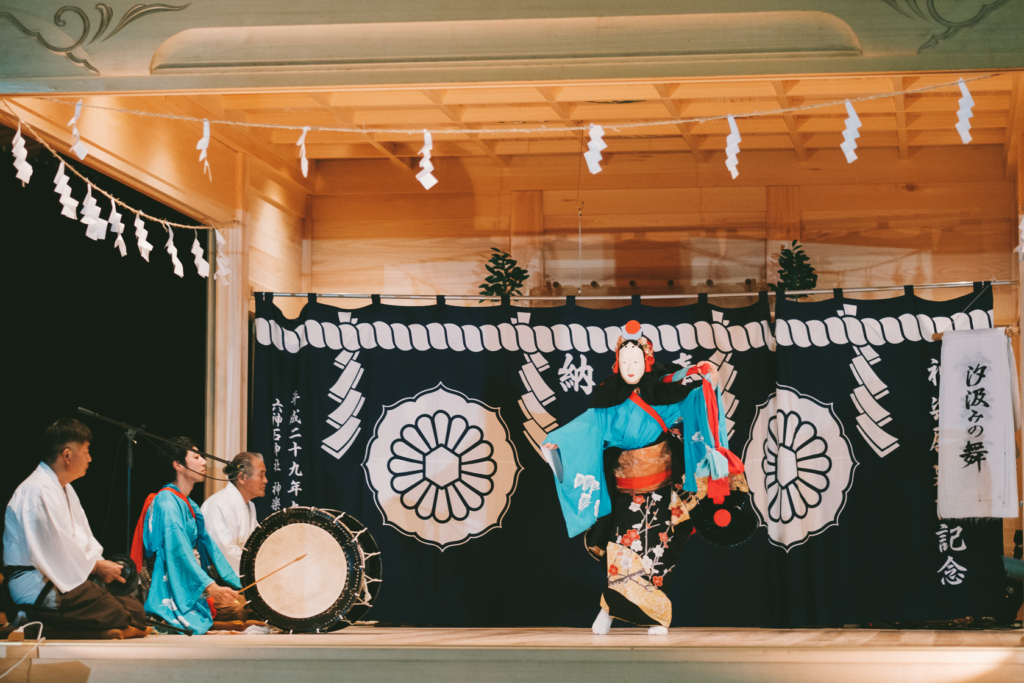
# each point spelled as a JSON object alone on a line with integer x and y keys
{"x": 901, "y": 116}
{"x": 456, "y": 114}
{"x": 564, "y": 111}
{"x": 685, "y": 129}
{"x": 347, "y": 118}
{"x": 791, "y": 127}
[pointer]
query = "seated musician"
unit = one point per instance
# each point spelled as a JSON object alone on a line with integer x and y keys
{"x": 230, "y": 514}
{"x": 50, "y": 551}
{"x": 186, "y": 563}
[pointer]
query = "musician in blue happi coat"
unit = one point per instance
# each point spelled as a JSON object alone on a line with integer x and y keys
{"x": 656, "y": 430}
{"x": 189, "y": 573}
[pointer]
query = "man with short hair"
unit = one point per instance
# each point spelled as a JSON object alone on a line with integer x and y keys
{"x": 230, "y": 514}
{"x": 49, "y": 549}
{"x": 190, "y": 575}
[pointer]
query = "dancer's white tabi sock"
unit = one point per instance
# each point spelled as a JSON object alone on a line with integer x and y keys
{"x": 602, "y": 624}
{"x": 657, "y": 631}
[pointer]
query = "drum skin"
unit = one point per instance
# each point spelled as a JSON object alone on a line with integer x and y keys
{"x": 372, "y": 567}
{"x": 333, "y": 559}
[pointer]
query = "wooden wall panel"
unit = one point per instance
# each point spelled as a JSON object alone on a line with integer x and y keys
{"x": 653, "y": 219}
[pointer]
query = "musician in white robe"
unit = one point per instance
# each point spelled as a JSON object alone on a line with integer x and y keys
{"x": 50, "y": 552}
{"x": 230, "y": 513}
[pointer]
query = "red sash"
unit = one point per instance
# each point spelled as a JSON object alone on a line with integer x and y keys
{"x": 138, "y": 553}
{"x": 635, "y": 398}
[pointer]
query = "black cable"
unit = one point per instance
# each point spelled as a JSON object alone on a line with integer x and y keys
{"x": 171, "y": 457}
{"x": 113, "y": 480}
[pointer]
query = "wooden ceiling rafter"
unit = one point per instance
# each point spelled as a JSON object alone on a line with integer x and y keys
{"x": 456, "y": 115}
{"x": 685, "y": 129}
{"x": 782, "y": 95}
{"x": 347, "y": 118}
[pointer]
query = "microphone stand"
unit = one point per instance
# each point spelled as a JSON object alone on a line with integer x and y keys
{"x": 131, "y": 431}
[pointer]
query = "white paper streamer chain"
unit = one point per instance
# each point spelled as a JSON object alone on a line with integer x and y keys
{"x": 117, "y": 228}
{"x": 963, "y": 126}
{"x": 426, "y": 176}
{"x": 202, "y": 265}
{"x": 222, "y": 259}
{"x": 62, "y": 188}
{"x": 179, "y": 270}
{"x": 302, "y": 152}
{"x": 140, "y": 235}
{"x": 95, "y": 227}
{"x": 77, "y": 146}
{"x": 204, "y": 147}
{"x": 594, "y": 147}
{"x": 21, "y": 157}
{"x": 851, "y": 134}
{"x": 732, "y": 147}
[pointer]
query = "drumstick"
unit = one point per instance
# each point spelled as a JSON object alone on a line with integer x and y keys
{"x": 273, "y": 572}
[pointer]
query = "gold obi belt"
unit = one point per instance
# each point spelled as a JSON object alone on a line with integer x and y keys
{"x": 642, "y": 470}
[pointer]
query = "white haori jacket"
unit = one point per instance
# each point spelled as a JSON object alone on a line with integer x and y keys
{"x": 979, "y": 409}
{"x": 229, "y": 521}
{"x": 46, "y": 528}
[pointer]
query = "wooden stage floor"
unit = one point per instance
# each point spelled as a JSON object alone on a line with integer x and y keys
{"x": 537, "y": 655}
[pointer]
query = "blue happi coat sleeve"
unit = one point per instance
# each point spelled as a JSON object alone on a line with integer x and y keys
{"x": 583, "y": 492}
{"x": 176, "y": 593}
{"x": 212, "y": 555}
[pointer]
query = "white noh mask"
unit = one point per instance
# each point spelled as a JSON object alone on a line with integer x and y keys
{"x": 632, "y": 363}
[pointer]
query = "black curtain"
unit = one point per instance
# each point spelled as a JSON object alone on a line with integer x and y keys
{"x": 86, "y": 327}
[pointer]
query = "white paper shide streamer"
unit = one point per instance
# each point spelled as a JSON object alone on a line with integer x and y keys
{"x": 594, "y": 147}
{"x": 302, "y": 151}
{"x": 117, "y": 228}
{"x": 202, "y": 265}
{"x": 21, "y": 157}
{"x": 222, "y": 259}
{"x": 69, "y": 204}
{"x": 426, "y": 176}
{"x": 77, "y": 146}
{"x": 963, "y": 126}
{"x": 140, "y": 236}
{"x": 204, "y": 147}
{"x": 732, "y": 147}
{"x": 95, "y": 227}
{"x": 851, "y": 133}
{"x": 179, "y": 270}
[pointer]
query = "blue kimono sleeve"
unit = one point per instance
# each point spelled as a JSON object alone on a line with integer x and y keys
{"x": 583, "y": 492}
{"x": 167, "y": 538}
{"x": 701, "y": 458}
{"x": 209, "y": 550}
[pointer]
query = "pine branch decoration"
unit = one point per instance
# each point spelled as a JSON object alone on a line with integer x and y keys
{"x": 795, "y": 271}
{"x": 506, "y": 277}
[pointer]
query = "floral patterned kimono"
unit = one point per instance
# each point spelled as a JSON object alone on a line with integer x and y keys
{"x": 637, "y": 513}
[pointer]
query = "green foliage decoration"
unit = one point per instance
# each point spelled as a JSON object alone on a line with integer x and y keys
{"x": 506, "y": 277}
{"x": 795, "y": 271}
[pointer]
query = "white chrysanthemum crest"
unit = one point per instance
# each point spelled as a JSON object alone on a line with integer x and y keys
{"x": 202, "y": 265}
{"x": 963, "y": 126}
{"x": 140, "y": 236}
{"x": 69, "y": 204}
{"x": 426, "y": 176}
{"x": 21, "y": 157}
{"x": 117, "y": 228}
{"x": 851, "y": 133}
{"x": 302, "y": 151}
{"x": 95, "y": 227}
{"x": 222, "y": 259}
{"x": 77, "y": 146}
{"x": 204, "y": 148}
{"x": 732, "y": 147}
{"x": 594, "y": 147}
{"x": 179, "y": 270}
